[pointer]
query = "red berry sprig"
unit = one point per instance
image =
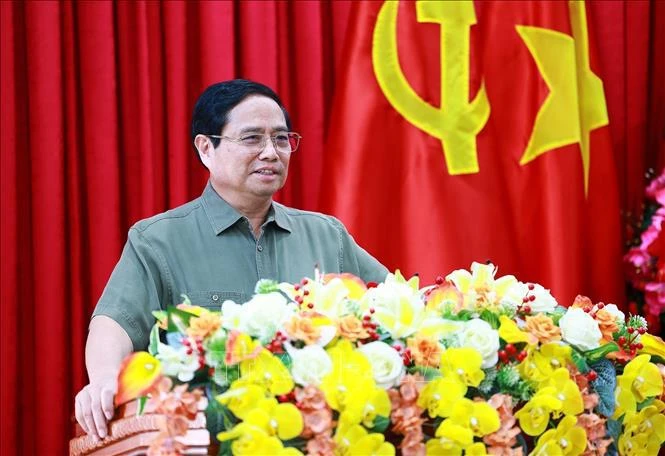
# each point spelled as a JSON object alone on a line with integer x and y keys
{"x": 276, "y": 345}
{"x": 510, "y": 352}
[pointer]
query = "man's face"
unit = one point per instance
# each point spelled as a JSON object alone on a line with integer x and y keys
{"x": 239, "y": 175}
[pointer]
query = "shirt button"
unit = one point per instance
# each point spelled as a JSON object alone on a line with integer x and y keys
{"x": 215, "y": 297}
{"x": 260, "y": 248}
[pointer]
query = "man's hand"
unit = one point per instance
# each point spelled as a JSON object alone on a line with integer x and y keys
{"x": 94, "y": 406}
{"x": 107, "y": 346}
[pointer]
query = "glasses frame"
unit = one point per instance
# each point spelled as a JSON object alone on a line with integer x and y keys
{"x": 265, "y": 142}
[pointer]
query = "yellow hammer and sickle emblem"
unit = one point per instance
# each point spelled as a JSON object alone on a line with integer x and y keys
{"x": 457, "y": 122}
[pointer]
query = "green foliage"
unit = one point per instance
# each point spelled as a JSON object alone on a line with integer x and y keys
{"x": 463, "y": 315}
{"x": 430, "y": 373}
{"x": 153, "y": 347}
{"x": 140, "y": 405}
{"x": 509, "y": 381}
{"x": 580, "y": 361}
{"x": 491, "y": 318}
{"x": 218, "y": 417}
{"x": 485, "y": 386}
{"x": 215, "y": 348}
{"x": 178, "y": 320}
{"x": 601, "y": 352}
{"x": 380, "y": 424}
{"x": 605, "y": 385}
{"x": 265, "y": 286}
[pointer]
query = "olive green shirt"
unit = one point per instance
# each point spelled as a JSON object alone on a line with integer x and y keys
{"x": 206, "y": 250}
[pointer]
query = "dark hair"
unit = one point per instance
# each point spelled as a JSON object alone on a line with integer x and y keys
{"x": 211, "y": 111}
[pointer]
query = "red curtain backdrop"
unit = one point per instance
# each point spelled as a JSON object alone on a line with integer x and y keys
{"x": 96, "y": 99}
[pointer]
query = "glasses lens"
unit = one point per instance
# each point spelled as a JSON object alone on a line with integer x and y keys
{"x": 294, "y": 140}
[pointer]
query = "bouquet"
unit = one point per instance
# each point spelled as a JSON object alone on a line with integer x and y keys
{"x": 473, "y": 364}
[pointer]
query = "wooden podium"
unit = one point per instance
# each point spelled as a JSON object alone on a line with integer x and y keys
{"x": 130, "y": 434}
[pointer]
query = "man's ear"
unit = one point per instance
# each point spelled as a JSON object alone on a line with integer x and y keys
{"x": 205, "y": 149}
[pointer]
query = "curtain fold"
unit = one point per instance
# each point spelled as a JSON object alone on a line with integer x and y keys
{"x": 96, "y": 104}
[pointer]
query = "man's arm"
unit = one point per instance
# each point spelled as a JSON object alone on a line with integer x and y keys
{"x": 106, "y": 347}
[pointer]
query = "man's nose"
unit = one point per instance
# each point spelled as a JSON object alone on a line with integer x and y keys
{"x": 269, "y": 152}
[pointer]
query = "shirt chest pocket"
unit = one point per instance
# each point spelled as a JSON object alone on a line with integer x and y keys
{"x": 213, "y": 299}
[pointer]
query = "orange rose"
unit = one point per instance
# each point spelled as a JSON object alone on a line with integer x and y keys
{"x": 607, "y": 324}
{"x": 350, "y": 327}
{"x": 582, "y": 302}
{"x": 303, "y": 329}
{"x": 425, "y": 351}
{"x": 542, "y": 326}
{"x": 204, "y": 325}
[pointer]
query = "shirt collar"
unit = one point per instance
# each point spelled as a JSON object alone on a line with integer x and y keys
{"x": 222, "y": 215}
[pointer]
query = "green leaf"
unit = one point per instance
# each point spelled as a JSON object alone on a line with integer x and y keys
{"x": 645, "y": 403}
{"x": 430, "y": 373}
{"x": 580, "y": 361}
{"x": 178, "y": 319}
{"x": 285, "y": 359}
{"x": 140, "y": 405}
{"x": 265, "y": 286}
{"x": 491, "y": 318}
{"x": 153, "y": 347}
{"x": 380, "y": 424}
{"x": 601, "y": 352}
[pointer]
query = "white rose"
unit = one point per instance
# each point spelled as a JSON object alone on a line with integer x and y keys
{"x": 176, "y": 362}
{"x": 614, "y": 310}
{"x": 544, "y": 301}
{"x": 259, "y": 317}
{"x": 479, "y": 335}
{"x": 580, "y": 329}
{"x": 309, "y": 365}
{"x": 387, "y": 364}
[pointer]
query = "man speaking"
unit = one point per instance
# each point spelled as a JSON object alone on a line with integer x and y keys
{"x": 219, "y": 245}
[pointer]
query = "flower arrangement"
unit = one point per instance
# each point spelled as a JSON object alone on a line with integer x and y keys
{"x": 644, "y": 261}
{"x": 472, "y": 364}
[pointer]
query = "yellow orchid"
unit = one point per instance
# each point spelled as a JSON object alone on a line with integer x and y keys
{"x": 512, "y": 334}
{"x": 463, "y": 364}
{"x": 138, "y": 373}
{"x": 480, "y": 417}
{"x": 535, "y": 415}
{"x": 476, "y": 449}
{"x": 649, "y": 421}
{"x": 268, "y": 371}
{"x": 567, "y": 392}
{"x": 355, "y": 440}
{"x": 642, "y": 378}
{"x": 364, "y": 406}
{"x": 626, "y": 404}
{"x": 652, "y": 345}
{"x": 250, "y": 440}
{"x": 541, "y": 361}
{"x": 567, "y": 439}
{"x": 282, "y": 420}
{"x": 242, "y": 397}
{"x": 631, "y": 444}
{"x": 440, "y": 394}
{"x": 450, "y": 439}
{"x": 351, "y": 372}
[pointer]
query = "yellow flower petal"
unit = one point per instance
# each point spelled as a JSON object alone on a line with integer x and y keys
{"x": 138, "y": 373}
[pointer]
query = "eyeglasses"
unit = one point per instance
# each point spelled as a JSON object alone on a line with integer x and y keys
{"x": 285, "y": 142}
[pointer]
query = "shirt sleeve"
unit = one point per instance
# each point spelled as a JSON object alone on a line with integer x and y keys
{"x": 357, "y": 260}
{"x": 135, "y": 289}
